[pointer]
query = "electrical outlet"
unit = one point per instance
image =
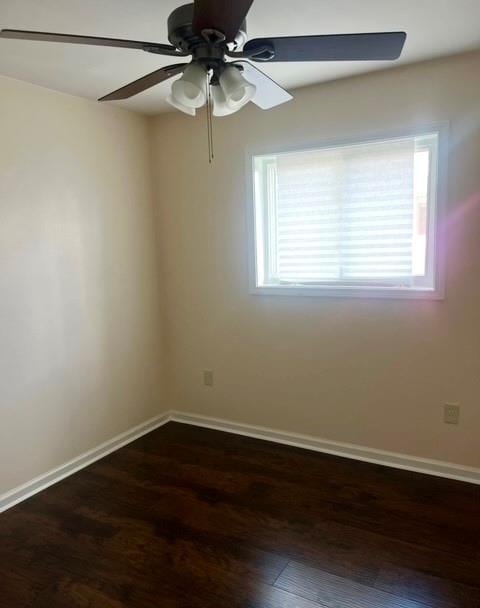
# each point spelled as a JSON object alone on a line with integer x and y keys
{"x": 451, "y": 413}
{"x": 208, "y": 377}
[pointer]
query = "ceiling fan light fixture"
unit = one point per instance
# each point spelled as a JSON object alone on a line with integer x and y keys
{"x": 220, "y": 105}
{"x": 180, "y": 106}
{"x": 212, "y": 32}
{"x": 189, "y": 90}
{"x": 237, "y": 90}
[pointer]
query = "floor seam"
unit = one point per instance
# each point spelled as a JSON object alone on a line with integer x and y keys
{"x": 281, "y": 572}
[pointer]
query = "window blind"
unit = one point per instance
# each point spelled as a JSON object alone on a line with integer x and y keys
{"x": 343, "y": 214}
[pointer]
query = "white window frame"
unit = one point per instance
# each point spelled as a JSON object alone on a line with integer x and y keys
{"x": 436, "y": 213}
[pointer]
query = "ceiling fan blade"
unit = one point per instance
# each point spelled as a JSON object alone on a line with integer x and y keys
{"x": 225, "y": 16}
{"x": 337, "y": 47}
{"x": 268, "y": 94}
{"x": 144, "y": 83}
{"x": 151, "y": 47}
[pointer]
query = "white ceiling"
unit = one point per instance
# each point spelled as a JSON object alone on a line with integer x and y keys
{"x": 434, "y": 28}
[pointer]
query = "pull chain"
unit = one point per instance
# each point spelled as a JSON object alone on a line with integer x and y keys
{"x": 209, "y": 109}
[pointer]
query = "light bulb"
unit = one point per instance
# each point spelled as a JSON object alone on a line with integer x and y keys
{"x": 236, "y": 89}
{"x": 189, "y": 90}
{"x": 220, "y": 105}
{"x": 179, "y": 106}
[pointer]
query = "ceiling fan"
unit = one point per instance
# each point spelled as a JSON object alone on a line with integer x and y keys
{"x": 220, "y": 73}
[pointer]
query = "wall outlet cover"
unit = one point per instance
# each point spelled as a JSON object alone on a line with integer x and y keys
{"x": 208, "y": 377}
{"x": 451, "y": 413}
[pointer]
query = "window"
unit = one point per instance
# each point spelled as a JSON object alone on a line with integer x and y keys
{"x": 357, "y": 219}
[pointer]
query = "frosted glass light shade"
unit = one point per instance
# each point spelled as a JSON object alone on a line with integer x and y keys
{"x": 220, "y": 105}
{"x": 189, "y": 90}
{"x": 236, "y": 89}
{"x": 179, "y": 106}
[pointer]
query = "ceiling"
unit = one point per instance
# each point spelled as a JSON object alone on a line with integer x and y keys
{"x": 434, "y": 28}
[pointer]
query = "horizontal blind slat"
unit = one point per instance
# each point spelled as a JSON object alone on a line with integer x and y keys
{"x": 346, "y": 212}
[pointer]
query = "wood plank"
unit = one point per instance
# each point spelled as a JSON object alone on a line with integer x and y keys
{"x": 188, "y": 517}
{"x": 345, "y": 504}
{"x": 334, "y": 591}
{"x": 359, "y": 554}
{"x": 421, "y": 587}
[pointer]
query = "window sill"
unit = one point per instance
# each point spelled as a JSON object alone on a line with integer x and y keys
{"x": 395, "y": 293}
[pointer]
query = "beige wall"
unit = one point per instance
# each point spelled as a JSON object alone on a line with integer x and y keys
{"x": 84, "y": 293}
{"x": 370, "y": 372}
{"x": 79, "y": 287}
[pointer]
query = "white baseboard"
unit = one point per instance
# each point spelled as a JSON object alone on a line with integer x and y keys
{"x": 11, "y": 498}
{"x": 347, "y": 450}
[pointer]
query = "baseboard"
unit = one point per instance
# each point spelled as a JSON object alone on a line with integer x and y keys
{"x": 346, "y": 450}
{"x": 11, "y": 498}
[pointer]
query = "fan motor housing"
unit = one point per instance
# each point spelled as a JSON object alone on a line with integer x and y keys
{"x": 182, "y": 36}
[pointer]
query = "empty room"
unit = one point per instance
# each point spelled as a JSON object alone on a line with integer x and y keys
{"x": 240, "y": 304}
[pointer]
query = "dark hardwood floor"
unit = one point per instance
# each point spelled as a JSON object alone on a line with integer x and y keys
{"x": 189, "y": 517}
